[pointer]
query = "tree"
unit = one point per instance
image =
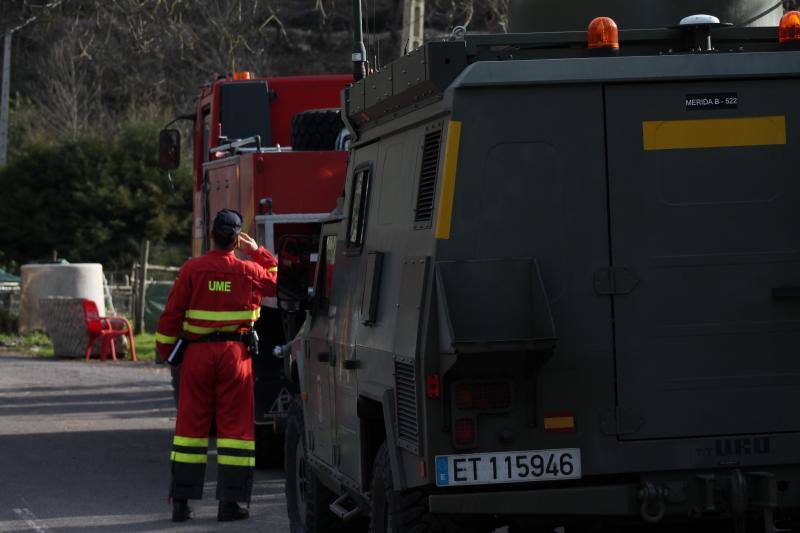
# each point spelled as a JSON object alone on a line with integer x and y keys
{"x": 92, "y": 200}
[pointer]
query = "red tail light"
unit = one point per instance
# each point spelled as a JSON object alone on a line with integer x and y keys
{"x": 465, "y": 431}
{"x": 483, "y": 396}
{"x": 434, "y": 386}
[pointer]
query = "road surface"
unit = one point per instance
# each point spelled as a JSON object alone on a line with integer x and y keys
{"x": 85, "y": 447}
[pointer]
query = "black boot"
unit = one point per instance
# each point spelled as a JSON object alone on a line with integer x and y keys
{"x": 230, "y": 511}
{"x": 181, "y": 512}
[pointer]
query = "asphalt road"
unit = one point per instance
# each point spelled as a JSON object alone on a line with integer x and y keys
{"x": 85, "y": 447}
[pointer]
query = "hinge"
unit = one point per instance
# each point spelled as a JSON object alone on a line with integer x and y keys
{"x": 614, "y": 280}
{"x": 620, "y": 421}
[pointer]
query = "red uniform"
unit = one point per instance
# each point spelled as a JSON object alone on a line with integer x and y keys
{"x": 215, "y": 293}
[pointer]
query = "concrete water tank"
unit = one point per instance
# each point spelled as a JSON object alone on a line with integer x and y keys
{"x": 75, "y": 280}
{"x": 558, "y": 15}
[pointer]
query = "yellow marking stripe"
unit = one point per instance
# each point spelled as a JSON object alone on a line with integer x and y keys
{"x": 222, "y": 316}
{"x": 193, "y": 458}
{"x": 236, "y": 444}
{"x": 190, "y": 441}
{"x": 273, "y": 270}
{"x": 165, "y": 339}
{"x": 232, "y": 460}
{"x": 444, "y": 216}
{"x": 714, "y": 133}
{"x": 202, "y": 330}
{"x": 559, "y": 422}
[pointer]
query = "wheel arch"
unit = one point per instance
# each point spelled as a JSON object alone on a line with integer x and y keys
{"x": 376, "y": 413}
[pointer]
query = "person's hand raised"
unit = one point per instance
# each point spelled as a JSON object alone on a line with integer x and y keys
{"x": 247, "y": 244}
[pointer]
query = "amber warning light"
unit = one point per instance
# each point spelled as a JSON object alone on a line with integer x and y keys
{"x": 603, "y": 34}
{"x": 790, "y": 28}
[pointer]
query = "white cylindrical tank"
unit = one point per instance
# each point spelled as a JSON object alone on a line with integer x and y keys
{"x": 75, "y": 280}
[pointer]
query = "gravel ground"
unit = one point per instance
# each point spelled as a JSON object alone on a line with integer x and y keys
{"x": 85, "y": 447}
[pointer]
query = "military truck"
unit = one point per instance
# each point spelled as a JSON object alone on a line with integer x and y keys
{"x": 564, "y": 287}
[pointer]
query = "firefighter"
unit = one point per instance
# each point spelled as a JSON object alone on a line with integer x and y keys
{"x": 211, "y": 310}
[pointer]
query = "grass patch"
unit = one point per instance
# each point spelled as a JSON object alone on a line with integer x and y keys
{"x": 145, "y": 346}
{"x": 38, "y": 343}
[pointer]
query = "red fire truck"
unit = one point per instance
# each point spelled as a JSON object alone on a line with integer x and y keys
{"x": 271, "y": 148}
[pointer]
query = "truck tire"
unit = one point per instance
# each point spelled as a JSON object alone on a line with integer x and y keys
{"x": 407, "y": 511}
{"x": 307, "y": 499}
{"x": 316, "y": 129}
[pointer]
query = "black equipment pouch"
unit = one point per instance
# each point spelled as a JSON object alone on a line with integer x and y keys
{"x": 252, "y": 342}
{"x": 175, "y": 357}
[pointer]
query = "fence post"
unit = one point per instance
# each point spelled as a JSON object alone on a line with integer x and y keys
{"x": 142, "y": 287}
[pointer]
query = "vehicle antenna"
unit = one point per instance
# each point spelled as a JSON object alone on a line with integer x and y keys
{"x": 359, "y": 52}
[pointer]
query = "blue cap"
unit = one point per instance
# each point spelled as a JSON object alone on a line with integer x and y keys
{"x": 228, "y": 221}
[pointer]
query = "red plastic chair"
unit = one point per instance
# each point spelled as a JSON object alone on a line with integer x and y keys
{"x": 103, "y": 327}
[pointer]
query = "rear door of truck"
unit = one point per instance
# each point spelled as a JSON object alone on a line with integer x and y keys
{"x": 704, "y": 181}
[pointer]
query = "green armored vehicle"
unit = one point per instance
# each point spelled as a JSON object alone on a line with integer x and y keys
{"x": 564, "y": 285}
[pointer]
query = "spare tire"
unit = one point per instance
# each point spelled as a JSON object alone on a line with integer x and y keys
{"x": 316, "y": 129}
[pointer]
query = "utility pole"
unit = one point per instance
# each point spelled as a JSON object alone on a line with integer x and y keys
{"x": 4, "y": 96}
{"x": 413, "y": 24}
{"x": 141, "y": 288}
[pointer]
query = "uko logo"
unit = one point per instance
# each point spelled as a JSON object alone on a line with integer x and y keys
{"x": 219, "y": 286}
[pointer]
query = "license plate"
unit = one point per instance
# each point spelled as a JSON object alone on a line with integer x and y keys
{"x": 508, "y": 467}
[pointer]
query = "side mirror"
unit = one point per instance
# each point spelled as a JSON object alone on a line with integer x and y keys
{"x": 169, "y": 149}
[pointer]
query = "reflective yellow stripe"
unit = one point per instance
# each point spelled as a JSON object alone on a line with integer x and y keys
{"x": 233, "y": 460}
{"x": 202, "y": 330}
{"x": 273, "y": 270}
{"x": 190, "y": 441}
{"x": 165, "y": 339}
{"x": 194, "y": 458}
{"x": 223, "y": 316}
{"x": 236, "y": 444}
{"x": 559, "y": 422}
{"x": 714, "y": 133}
{"x": 444, "y": 217}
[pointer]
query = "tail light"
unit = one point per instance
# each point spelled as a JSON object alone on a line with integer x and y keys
{"x": 603, "y": 33}
{"x": 434, "y": 386}
{"x": 483, "y": 396}
{"x": 790, "y": 28}
{"x": 465, "y": 431}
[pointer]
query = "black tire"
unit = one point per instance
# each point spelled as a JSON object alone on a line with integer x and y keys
{"x": 307, "y": 499}
{"x": 316, "y": 129}
{"x": 269, "y": 447}
{"x": 407, "y": 511}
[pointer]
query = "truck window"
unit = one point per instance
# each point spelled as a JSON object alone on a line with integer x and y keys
{"x": 358, "y": 208}
{"x": 244, "y": 111}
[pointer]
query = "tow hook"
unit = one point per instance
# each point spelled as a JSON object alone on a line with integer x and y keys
{"x": 653, "y": 507}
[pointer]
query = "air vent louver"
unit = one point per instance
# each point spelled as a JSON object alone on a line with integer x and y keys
{"x": 406, "y": 405}
{"x": 427, "y": 177}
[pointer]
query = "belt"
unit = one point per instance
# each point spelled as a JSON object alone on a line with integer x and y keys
{"x": 223, "y": 337}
